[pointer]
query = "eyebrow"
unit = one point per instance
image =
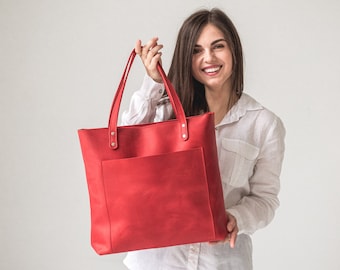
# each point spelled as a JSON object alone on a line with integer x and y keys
{"x": 213, "y": 43}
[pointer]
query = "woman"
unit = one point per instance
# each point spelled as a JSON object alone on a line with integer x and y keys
{"x": 207, "y": 73}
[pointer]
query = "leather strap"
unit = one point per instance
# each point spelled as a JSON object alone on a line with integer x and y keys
{"x": 175, "y": 102}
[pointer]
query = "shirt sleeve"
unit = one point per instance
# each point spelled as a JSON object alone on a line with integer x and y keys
{"x": 257, "y": 209}
{"x": 148, "y": 104}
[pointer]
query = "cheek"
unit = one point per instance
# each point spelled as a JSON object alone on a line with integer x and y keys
{"x": 195, "y": 69}
{"x": 229, "y": 60}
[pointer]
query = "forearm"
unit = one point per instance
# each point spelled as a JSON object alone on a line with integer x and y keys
{"x": 144, "y": 105}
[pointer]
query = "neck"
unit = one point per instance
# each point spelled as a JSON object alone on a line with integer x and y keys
{"x": 220, "y": 102}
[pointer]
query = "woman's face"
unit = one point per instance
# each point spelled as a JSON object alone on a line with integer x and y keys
{"x": 212, "y": 62}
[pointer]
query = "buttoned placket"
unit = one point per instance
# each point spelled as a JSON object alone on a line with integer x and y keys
{"x": 193, "y": 256}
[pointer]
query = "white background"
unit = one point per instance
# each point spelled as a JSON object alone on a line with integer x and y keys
{"x": 60, "y": 63}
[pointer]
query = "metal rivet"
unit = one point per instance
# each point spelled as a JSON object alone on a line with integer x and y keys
{"x": 183, "y": 125}
{"x": 184, "y": 136}
{"x": 113, "y": 144}
{"x": 112, "y": 133}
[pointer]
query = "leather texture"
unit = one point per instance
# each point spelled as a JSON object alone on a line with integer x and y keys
{"x": 153, "y": 185}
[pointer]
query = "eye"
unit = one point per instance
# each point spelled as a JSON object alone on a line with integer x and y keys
{"x": 218, "y": 46}
{"x": 197, "y": 50}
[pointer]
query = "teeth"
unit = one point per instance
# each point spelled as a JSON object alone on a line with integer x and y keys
{"x": 211, "y": 70}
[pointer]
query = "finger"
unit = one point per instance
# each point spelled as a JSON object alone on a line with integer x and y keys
{"x": 138, "y": 47}
{"x": 233, "y": 237}
{"x": 231, "y": 224}
{"x": 154, "y": 52}
{"x": 154, "y": 56}
{"x": 232, "y": 230}
{"x": 150, "y": 44}
{"x": 156, "y": 49}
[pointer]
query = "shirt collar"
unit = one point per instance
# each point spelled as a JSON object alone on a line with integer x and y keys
{"x": 242, "y": 106}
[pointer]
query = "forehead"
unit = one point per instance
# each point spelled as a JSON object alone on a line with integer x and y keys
{"x": 209, "y": 34}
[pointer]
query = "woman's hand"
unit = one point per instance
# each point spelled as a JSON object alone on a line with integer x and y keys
{"x": 150, "y": 55}
{"x": 232, "y": 230}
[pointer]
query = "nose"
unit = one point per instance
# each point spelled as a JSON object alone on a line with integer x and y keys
{"x": 209, "y": 55}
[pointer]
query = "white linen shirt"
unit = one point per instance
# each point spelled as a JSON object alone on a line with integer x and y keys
{"x": 250, "y": 145}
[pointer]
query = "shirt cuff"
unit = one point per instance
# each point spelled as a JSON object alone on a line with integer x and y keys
{"x": 151, "y": 89}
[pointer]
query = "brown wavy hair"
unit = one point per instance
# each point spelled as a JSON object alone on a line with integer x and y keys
{"x": 190, "y": 91}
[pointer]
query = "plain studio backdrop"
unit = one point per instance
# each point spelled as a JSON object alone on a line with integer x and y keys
{"x": 60, "y": 64}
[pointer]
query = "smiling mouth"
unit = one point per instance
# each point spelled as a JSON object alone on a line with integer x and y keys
{"x": 212, "y": 70}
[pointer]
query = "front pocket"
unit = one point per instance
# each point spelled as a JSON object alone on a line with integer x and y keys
{"x": 242, "y": 157}
{"x": 157, "y": 199}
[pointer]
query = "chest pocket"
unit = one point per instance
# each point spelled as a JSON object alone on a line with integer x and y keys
{"x": 240, "y": 158}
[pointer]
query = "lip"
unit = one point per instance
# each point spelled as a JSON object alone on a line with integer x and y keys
{"x": 212, "y": 70}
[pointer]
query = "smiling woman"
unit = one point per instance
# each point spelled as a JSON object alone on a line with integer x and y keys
{"x": 211, "y": 58}
{"x": 207, "y": 73}
{"x": 212, "y": 66}
{"x": 191, "y": 43}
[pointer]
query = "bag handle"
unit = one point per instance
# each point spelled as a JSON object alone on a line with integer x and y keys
{"x": 174, "y": 99}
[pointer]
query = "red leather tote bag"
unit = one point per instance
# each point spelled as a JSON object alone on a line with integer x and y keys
{"x": 153, "y": 185}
